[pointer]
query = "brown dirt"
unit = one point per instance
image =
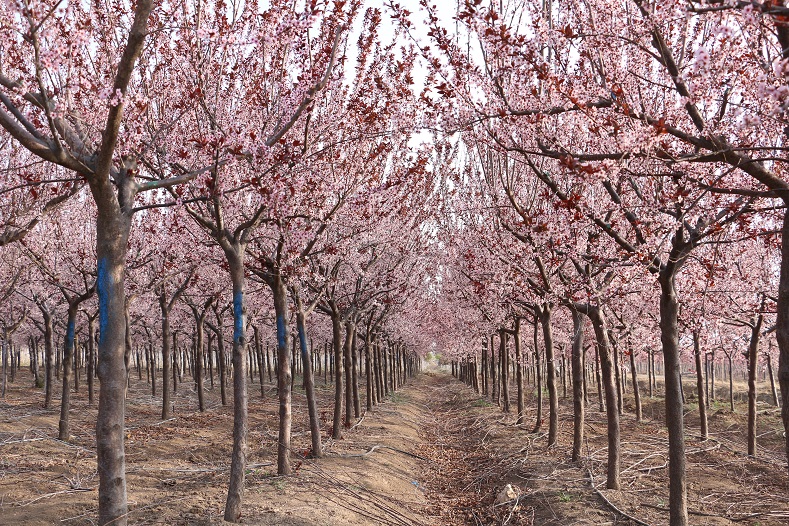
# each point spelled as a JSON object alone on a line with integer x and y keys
{"x": 443, "y": 454}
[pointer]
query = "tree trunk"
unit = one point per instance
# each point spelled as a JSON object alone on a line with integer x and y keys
{"x": 669, "y": 335}
{"x": 284, "y": 379}
{"x": 111, "y": 248}
{"x": 355, "y": 374}
{"x": 166, "y": 404}
{"x": 700, "y": 386}
{"x": 349, "y": 329}
{"x": 544, "y": 313}
{"x": 537, "y": 375}
{"x": 504, "y": 362}
{"x": 773, "y": 391}
{"x": 753, "y": 353}
{"x": 48, "y": 355}
{"x": 731, "y": 383}
{"x": 68, "y": 351}
{"x": 337, "y": 336}
{"x": 518, "y": 369}
{"x": 309, "y": 385}
{"x": 607, "y": 367}
{"x": 261, "y": 363}
{"x": 90, "y": 372}
{"x": 782, "y": 328}
{"x": 578, "y": 381}
{"x": 238, "y": 457}
{"x": 634, "y": 379}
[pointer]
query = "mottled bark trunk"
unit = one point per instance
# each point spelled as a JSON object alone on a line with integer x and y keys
{"x": 111, "y": 248}
{"x": 284, "y": 375}
{"x": 669, "y": 311}
{"x": 238, "y": 458}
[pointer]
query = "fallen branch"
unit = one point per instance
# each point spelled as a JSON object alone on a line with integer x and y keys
{"x": 380, "y": 446}
{"x": 610, "y": 504}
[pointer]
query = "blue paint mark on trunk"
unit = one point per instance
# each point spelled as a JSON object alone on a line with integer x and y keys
{"x": 70, "y": 334}
{"x": 103, "y": 290}
{"x": 303, "y": 342}
{"x": 238, "y": 316}
{"x": 280, "y": 331}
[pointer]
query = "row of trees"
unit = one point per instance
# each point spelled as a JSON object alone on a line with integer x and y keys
{"x": 612, "y": 165}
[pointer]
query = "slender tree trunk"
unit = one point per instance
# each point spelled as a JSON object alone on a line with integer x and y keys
{"x": 578, "y": 385}
{"x": 700, "y": 386}
{"x": 261, "y": 365}
{"x": 238, "y": 457}
{"x": 68, "y": 351}
{"x": 48, "y": 355}
{"x": 309, "y": 385}
{"x": 348, "y": 373}
{"x": 355, "y": 373}
{"x": 731, "y": 383}
{"x": 518, "y": 369}
{"x": 166, "y": 404}
{"x": 782, "y": 328}
{"x": 773, "y": 391}
{"x": 600, "y": 395}
{"x": 337, "y": 336}
{"x": 636, "y": 391}
{"x": 544, "y": 313}
{"x": 91, "y": 357}
{"x": 198, "y": 359}
{"x": 753, "y": 353}
{"x": 607, "y": 367}
{"x": 669, "y": 311}
{"x": 537, "y": 375}
{"x": 284, "y": 379}
{"x": 484, "y": 366}
{"x": 505, "y": 366}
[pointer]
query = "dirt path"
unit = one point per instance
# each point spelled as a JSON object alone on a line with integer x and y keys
{"x": 435, "y": 453}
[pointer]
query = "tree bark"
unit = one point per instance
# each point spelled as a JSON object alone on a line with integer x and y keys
{"x": 669, "y": 335}
{"x": 544, "y": 313}
{"x": 702, "y": 397}
{"x": 337, "y": 336}
{"x": 753, "y": 353}
{"x": 782, "y": 328}
{"x": 607, "y": 367}
{"x": 284, "y": 379}
{"x": 636, "y": 390}
{"x": 519, "y": 369}
{"x": 238, "y": 458}
{"x": 578, "y": 385}
{"x": 309, "y": 385}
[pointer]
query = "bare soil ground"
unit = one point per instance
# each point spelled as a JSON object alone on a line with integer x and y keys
{"x": 435, "y": 453}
